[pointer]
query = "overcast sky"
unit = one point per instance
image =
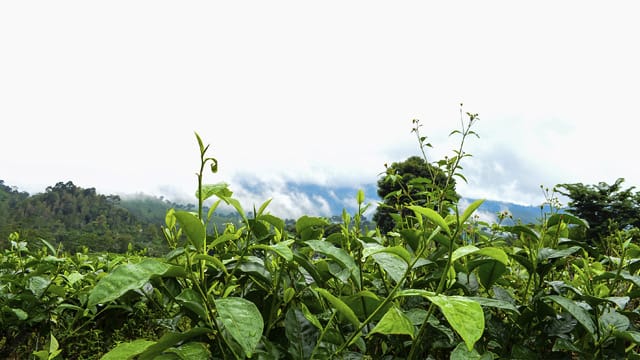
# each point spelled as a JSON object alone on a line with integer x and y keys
{"x": 109, "y": 94}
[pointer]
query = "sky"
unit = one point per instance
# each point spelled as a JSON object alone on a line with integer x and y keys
{"x": 109, "y": 94}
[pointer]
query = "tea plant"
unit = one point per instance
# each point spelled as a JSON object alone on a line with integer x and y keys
{"x": 437, "y": 286}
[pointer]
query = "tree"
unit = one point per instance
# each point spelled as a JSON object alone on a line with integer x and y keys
{"x": 605, "y": 207}
{"x": 413, "y": 181}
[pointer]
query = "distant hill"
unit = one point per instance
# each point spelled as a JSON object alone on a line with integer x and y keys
{"x": 337, "y": 198}
{"x": 76, "y": 217}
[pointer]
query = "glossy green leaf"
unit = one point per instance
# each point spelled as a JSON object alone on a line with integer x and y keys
{"x": 394, "y": 322}
{"x": 211, "y": 260}
{"x": 193, "y": 228}
{"x": 220, "y": 189}
{"x": 578, "y": 312}
{"x": 242, "y": 320}
{"x": 547, "y": 253}
{"x": 490, "y": 272}
{"x": 38, "y": 285}
{"x": 128, "y": 350}
{"x": 495, "y": 303}
{"x": 462, "y": 353}
{"x": 273, "y": 220}
{"x": 524, "y": 261}
{"x": 463, "y": 314}
{"x": 432, "y": 215}
{"x": 632, "y": 336}
{"x": 469, "y": 211}
{"x": 399, "y": 251}
{"x": 463, "y": 251}
{"x": 567, "y": 219}
{"x": 20, "y": 314}
{"x": 130, "y": 277}
{"x": 282, "y": 249}
{"x": 191, "y": 351}
{"x": 340, "y": 306}
{"x": 301, "y": 333}
{"x": 495, "y": 253}
{"x": 263, "y": 207}
{"x": 310, "y": 228}
{"x": 169, "y": 340}
{"x": 337, "y": 254}
{"x": 191, "y": 300}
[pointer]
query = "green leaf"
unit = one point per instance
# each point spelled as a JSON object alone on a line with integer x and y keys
{"x": 495, "y": 303}
{"x": 242, "y": 320}
{"x": 301, "y": 333}
{"x": 393, "y": 265}
{"x": 128, "y": 350}
{"x": 469, "y": 211}
{"x": 220, "y": 189}
{"x": 391, "y": 259}
{"x": 191, "y": 351}
{"x": 462, "y": 353}
{"x": 492, "y": 252}
{"x": 567, "y": 219}
{"x": 49, "y": 246}
{"x": 633, "y": 336}
{"x": 193, "y": 227}
{"x": 171, "y": 339}
{"x": 524, "y": 261}
{"x": 394, "y": 322}
{"x": 20, "y": 314}
{"x": 399, "y": 251}
{"x": 310, "y": 228}
{"x": 38, "y": 285}
{"x": 130, "y": 277}
{"x": 281, "y": 248}
{"x": 263, "y": 207}
{"x": 463, "y": 314}
{"x": 576, "y": 311}
{"x": 191, "y": 300}
{"x": 547, "y": 253}
{"x": 223, "y": 239}
{"x": 490, "y": 272}
{"x": 273, "y": 220}
{"x": 337, "y": 254}
{"x": 431, "y": 215}
{"x": 612, "y": 321}
{"x": 340, "y": 306}
{"x": 495, "y": 253}
{"x": 213, "y": 260}
{"x": 364, "y": 303}
{"x": 463, "y": 251}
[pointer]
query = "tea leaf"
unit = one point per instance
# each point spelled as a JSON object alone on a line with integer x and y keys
{"x": 394, "y": 322}
{"x": 431, "y": 215}
{"x": 469, "y": 210}
{"x": 242, "y": 320}
{"x": 129, "y": 277}
{"x": 576, "y": 311}
{"x": 127, "y": 350}
{"x": 193, "y": 227}
{"x": 340, "y": 306}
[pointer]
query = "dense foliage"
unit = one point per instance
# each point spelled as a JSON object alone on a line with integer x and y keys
{"x": 436, "y": 286}
{"x": 605, "y": 207}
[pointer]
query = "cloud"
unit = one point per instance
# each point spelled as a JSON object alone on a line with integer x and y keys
{"x": 285, "y": 202}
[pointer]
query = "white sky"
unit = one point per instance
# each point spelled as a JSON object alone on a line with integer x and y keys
{"x": 108, "y": 94}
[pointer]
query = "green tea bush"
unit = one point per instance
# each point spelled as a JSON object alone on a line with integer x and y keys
{"x": 437, "y": 285}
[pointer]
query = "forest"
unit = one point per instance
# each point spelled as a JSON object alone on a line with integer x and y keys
{"x": 88, "y": 276}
